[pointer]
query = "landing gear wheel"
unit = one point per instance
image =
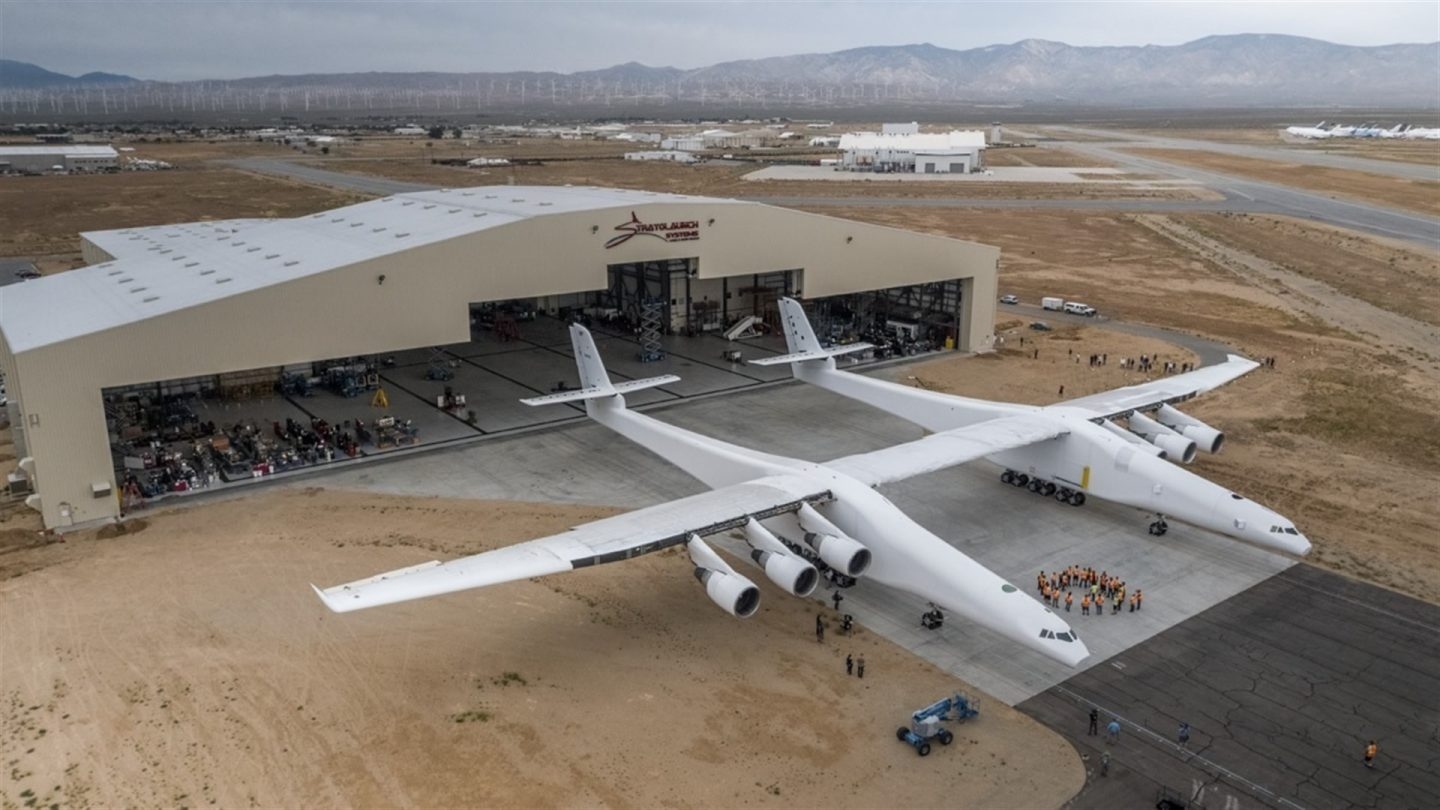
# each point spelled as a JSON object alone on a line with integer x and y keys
{"x": 1049, "y": 488}
{"x": 1077, "y": 499}
{"x": 945, "y": 737}
{"x": 1064, "y": 494}
{"x": 1007, "y": 477}
{"x": 1021, "y": 479}
{"x": 900, "y": 733}
{"x": 1034, "y": 485}
{"x": 1158, "y": 528}
{"x": 923, "y": 749}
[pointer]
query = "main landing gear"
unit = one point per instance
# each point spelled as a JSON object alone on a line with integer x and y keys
{"x": 932, "y": 619}
{"x": 1159, "y": 527}
{"x": 1039, "y": 486}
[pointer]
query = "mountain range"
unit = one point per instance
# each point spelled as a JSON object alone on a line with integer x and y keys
{"x": 1234, "y": 70}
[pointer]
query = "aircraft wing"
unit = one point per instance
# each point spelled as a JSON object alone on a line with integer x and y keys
{"x": 948, "y": 448}
{"x": 608, "y": 540}
{"x": 1164, "y": 391}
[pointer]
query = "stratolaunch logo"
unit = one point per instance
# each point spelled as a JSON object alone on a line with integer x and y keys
{"x": 687, "y": 230}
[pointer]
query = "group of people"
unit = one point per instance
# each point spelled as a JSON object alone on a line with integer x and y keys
{"x": 1097, "y": 588}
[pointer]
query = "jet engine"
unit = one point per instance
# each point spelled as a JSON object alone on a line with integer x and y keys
{"x": 788, "y": 571}
{"x": 845, "y": 554}
{"x": 781, "y": 566}
{"x": 734, "y": 594}
{"x": 1138, "y": 443}
{"x": 1175, "y": 446}
{"x": 1208, "y": 438}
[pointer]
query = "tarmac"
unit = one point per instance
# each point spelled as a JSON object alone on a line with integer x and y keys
{"x": 1283, "y": 671}
{"x": 1282, "y": 686}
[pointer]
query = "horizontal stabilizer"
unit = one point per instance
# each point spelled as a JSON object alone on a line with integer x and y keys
{"x": 817, "y": 354}
{"x": 600, "y": 392}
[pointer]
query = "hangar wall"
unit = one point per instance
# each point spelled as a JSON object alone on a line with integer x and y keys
{"x": 423, "y": 301}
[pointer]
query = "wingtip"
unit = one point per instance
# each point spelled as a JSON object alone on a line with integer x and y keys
{"x": 323, "y": 598}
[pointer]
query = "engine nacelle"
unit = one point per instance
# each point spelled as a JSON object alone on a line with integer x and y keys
{"x": 734, "y": 594}
{"x": 1135, "y": 441}
{"x": 1175, "y": 446}
{"x": 788, "y": 571}
{"x": 845, "y": 554}
{"x": 1208, "y": 438}
{"x": 780, "y": 564}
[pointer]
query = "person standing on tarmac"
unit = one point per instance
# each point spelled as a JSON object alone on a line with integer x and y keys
{"x": 1094, "y": 723}
{"x": 860, "y": 667}
{"x": 1370, "y": 751}
{"x": 819, "y": 629}
{"x": 1069, "y": 600}
{"x": 849, "y": 664}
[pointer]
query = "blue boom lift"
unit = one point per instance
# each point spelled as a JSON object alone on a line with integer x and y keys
{"x": 925, "y": 723}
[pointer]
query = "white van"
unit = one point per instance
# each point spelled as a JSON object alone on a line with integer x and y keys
{"x": 1077, "y": 308}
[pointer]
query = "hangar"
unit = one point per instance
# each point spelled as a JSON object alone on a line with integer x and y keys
{"x": 200, "y": 308}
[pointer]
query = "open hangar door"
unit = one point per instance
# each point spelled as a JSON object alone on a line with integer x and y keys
{"x": 671, "y": 293}
{"x": 898, "y": 321}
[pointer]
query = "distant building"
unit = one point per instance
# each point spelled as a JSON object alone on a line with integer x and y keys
{"x": 672, "y": 155}
{"x": 411, "y": 130}
{"x": 69, "y": 158}
{"x": 903, "y": 148}
{"x": 54, "y": 137}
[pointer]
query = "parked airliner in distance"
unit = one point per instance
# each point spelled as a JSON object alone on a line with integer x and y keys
{"x": 1095, "y": 457}
{"x": 796, "y": 517}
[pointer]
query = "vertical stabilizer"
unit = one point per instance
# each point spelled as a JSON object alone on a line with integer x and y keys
{"x": 587, "y": 360}
{"x": 799, "y": 336}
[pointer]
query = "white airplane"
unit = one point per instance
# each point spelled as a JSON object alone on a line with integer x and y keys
{"x": 821, "y": 508}
{"x": 1319, "y": 131}
{"x": 1093, "y": 456}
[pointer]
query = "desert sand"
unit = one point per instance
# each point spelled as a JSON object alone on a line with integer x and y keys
{"x": 186, "y": 663}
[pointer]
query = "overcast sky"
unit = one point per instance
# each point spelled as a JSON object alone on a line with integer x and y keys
{"x": 194, "y": 39}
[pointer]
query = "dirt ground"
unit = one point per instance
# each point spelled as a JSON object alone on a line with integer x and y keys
{"x": 724, "y": 180}
{"x": 187, "y": 663}
{"x": 1340, "y": 437}
{"x": 45, "y": 215}
{"x": 1416, "y": 195}
{"x": 1038, "y": 156}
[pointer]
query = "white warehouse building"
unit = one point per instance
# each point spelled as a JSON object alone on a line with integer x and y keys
{"x": 904, "y": 148}
{"x": 69, "y": 157}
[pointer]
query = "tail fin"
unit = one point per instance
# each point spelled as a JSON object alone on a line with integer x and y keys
{"x": 594, "y": 381}
{"x": 800, "y": 339}
{"x": 799, "y": 336}
{"x": 587, "y": 359}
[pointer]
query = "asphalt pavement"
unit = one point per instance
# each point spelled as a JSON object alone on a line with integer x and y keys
{"x": 1282, "y": 686}
{"x": 1301, "y": 154}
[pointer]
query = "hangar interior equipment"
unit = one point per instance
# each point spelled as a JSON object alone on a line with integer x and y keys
{"x": 196, "y": 355}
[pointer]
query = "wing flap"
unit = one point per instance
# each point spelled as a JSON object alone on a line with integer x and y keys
{"x": 948, "y": 448}
{"x": 612, "y": 539}
{"x": 1164, "y": 391}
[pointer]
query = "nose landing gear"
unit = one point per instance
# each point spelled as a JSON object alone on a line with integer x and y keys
{"x": 1159, "y": 527}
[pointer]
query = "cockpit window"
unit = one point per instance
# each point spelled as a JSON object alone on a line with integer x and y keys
{"x": 1291, "y": 530}
{"x": 1063, "y": 636}
{"x": 1236, "y": 497}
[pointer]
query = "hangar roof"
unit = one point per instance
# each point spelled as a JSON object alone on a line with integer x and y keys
{"x": 172, "y": 267}
{"x": 69, "y": 149}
